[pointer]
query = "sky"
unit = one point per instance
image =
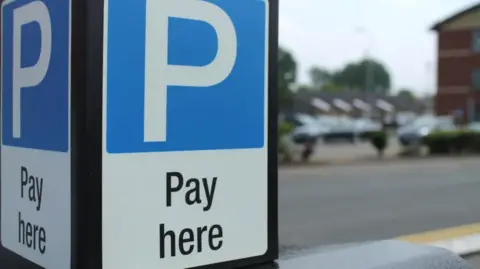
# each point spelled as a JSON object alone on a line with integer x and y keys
{"x": 330, "y": 34}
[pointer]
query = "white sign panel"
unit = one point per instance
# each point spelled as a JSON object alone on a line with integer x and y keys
{"x": 35, "y": 149}
{"x": 185, "y": 132}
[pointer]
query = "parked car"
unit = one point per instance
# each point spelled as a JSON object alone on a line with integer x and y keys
{"x": 413, "y": 133}
{"x": 351, "y": 130}
{"x": 342, "y": 130}
{"x": 363, "y": 127}
{"x": 405, "y": 118}
{"x": 474, "y": 126}
{"x": 307, "y": 130}
{"x": 327, "y": 123}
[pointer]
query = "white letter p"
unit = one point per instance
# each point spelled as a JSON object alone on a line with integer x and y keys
{"x": 32, "y": 75}
{"x": 159, "y": 75}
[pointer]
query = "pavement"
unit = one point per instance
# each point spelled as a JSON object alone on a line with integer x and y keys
{"x": 474, "y": 260}
{"x": 344, "y": 151}
{"x": 332, "y": 205}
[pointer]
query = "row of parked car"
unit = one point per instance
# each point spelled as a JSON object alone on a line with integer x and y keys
{"x": 413, "y": 133}
{"x": 330, "y": 128}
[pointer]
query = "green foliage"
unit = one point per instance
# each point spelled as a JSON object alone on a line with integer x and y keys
{"x": 287, "y": 75}
{"x": 452, "y": 142}
{"x": 379, "y": 141}
{"x": 319, "y": 77}
{"x": 331, "y": 87}
{"x": 284, "y": 128}
{"x": 366, "y": 75}
{"x": 406, "y": 93}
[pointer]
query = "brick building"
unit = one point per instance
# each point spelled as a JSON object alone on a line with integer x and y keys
{"x": 458, "y": 70}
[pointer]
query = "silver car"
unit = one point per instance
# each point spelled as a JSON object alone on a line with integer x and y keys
{"x": 474, "y": 126}
{"x": 414, "y": 132}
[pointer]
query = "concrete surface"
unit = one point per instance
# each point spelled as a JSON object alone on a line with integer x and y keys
{"x": 333, "y": 152}
{"x": 474, "y": 260}
{"x": 461, "y": 240}
{"x": 342, "y": 151}
{"x": 388, "y": 254}
{"x": 342, "y": 204}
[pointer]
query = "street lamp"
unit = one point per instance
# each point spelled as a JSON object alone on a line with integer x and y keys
{"x": 369, "y": 76}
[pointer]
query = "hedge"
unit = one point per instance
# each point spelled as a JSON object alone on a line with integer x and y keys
{"x": 453, "y": 142}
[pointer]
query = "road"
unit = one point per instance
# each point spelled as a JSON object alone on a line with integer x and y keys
{"x": 334, "y": 205}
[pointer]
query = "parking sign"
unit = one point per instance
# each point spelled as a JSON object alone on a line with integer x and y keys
{"x": 194, "y": 78}
{"x": 185, "y": 133}
{"x": 138, "y": 134}
{"x": 35, "y": 149}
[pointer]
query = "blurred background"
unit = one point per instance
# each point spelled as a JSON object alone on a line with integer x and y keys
{"x": 379, "y": 120}
{"x": 350, "y": 68}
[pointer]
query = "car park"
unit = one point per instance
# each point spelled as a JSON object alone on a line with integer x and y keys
{"x": 413, "y": 133}
{"x": 351, "y": 130}
{"x": 342, "y": 130}
{"x": 307, "y": 129}
{"x": 365, "y": 126}
{"x": 474, "y": 126}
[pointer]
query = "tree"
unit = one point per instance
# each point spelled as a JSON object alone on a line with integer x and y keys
{"x": 406, "y": 93}
{"x": 319, "y": 77}
{"x": 287, "y": 75}
{"x": 366, "y": 75}
{"x": 331, "y": 87}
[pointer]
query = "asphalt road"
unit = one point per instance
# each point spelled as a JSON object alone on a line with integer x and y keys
{"x": 335, "y": 205}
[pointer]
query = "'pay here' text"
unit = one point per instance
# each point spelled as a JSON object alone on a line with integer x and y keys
{"x": 186, "y": 241}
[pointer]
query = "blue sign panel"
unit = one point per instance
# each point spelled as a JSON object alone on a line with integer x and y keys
{"x": 200, "y": 112}
{"x": 35, "y": 74}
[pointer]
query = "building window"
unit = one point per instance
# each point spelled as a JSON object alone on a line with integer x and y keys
{"x": 477, "y": 113}
{"x": 476, "y": 41}
{"x": 476, "y": 79}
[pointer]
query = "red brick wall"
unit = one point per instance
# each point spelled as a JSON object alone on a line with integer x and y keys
{"x": 458, "y": 39}
{"x": 455, "y": 71}
{"x": 445, "y": 103}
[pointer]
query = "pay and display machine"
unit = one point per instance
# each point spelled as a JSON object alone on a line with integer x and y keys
{"x": 138, "y": 134}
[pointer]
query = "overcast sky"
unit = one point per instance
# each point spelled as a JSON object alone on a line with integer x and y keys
{"x": 329, "y": 34}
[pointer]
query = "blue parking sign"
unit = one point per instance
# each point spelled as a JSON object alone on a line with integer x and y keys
{"x": 189, "y": 84}
{"x": 35, "y": 74}
{"x": 35, "y": 130}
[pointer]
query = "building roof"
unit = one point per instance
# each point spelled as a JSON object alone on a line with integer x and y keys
{"x": 455, "y": 16}
{"x": 304, "y": 102}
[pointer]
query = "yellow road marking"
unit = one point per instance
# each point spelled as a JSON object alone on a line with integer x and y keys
{"x": 442, "y": 234}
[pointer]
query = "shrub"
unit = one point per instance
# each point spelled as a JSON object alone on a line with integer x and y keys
{"x": 442, "y": 142}
{"x": 452, "y": 142}
{"x": 379, "y": 140}
{"x": 284, "y": 128}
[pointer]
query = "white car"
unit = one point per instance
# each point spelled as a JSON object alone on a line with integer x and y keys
{"x": 308, "y": 129}
{"x": 366, "y": 125}
{"x": 474, "y": 126}
{"x": 351, "y": 129}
